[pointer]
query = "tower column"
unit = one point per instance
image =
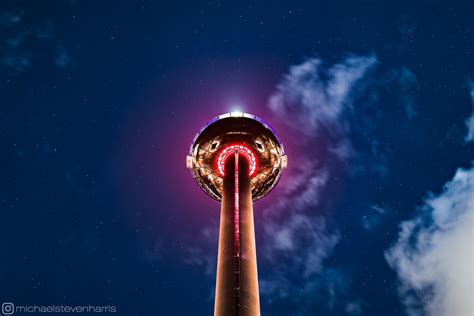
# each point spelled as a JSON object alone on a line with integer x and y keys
{"x": 237, "y": 279}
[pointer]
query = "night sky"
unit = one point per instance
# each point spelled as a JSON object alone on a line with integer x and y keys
{"x": 373, "y": 101}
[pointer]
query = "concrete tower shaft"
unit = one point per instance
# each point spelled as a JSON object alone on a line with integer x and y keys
{"x": 237, "y": 278}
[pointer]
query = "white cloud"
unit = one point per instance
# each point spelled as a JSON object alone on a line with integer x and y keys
{"x": 300, "y": 232}
{"x": 317, "y": 98}
{"x": 470, "y": 120}
{"x": 433, "y": 256}
{"x": 314, "y": 96}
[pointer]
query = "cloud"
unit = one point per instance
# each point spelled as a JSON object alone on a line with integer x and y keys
{"x": 10, "y": 19}
{"x": 470, "y": 120}
{"x": 407, "y": 27}
{"x": 319, "y": 100}
{"x": 13, "y": 56}
{"x": 374, "y": 217}
{"x": 298, "y": 233}
{"x": 407, "y": 81}
{"x": 19, "y": 62}
{"x": 314, "y": 102}
{"x": 200, "y": 253}
{"x": 354, "y": 308}
{"x": 62, "y": 59}
{"x": 155, "y": 253}
{"x": 433, "y": 256}
{"x": 297, "y": 254}
{"x": 24, "y": 43}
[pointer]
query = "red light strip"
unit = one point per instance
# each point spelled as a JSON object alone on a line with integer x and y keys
{"x": 236, "y": 208}
{"x": 244, "y": 150}
{"x": 237, "y": 233}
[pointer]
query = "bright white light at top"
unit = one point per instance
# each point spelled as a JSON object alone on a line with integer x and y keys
{"x": 236, "y": 114}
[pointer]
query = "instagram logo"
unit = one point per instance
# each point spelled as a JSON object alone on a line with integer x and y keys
{"x": 8, "y": 308}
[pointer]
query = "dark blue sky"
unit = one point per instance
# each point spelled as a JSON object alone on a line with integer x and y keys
{"x": 99, "y": 103}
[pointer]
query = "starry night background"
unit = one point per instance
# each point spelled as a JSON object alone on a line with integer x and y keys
{"x": 372, "y": 99}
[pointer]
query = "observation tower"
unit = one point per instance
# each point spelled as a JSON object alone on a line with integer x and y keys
{"x": 236, "y": 159}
